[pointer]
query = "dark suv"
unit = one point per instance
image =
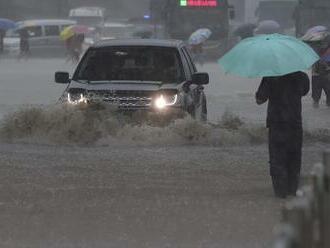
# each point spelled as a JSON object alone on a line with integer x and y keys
{"x": 152, "y": 75}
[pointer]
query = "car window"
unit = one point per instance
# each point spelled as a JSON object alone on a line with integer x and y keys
{"x": 118, "y": 32}
{"x": 35, "y": 31}
{"x": 53, "y": 30}
{"x": 159, "y": 64}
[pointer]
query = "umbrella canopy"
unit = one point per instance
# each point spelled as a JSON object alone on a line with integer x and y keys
{"x": 6, "y": 24}
{"x": 70, "y": 31}
{"x": 199, "y": 36}
{"x": 268, "y": 27}
{"x": 317, "y": 29}
{"x": 245, "y": 30}
{"x": 268, "y": 55}
{"x": 316, "y": 33}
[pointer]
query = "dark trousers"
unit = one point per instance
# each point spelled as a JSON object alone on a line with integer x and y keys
{"x": 285, "y": 145}
{"x": 320, "y": 83}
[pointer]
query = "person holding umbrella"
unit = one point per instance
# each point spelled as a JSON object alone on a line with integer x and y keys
{"x": 279, "y": 60}
{"x": 196, "y": 41}
{"x": 284, "y": 122}
{"x": 320, "y": 77}
{"x": 74, "y": 37}
{"x": 318, "y": 38}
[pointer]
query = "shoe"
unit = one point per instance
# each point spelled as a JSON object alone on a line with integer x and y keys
{"x": 279, "y": 187}
{"x": 316, "y": 105}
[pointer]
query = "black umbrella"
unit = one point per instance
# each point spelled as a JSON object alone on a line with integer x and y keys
{"x": 246, "y": 30}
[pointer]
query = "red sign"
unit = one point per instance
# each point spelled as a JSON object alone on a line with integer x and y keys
{"x": 199, "y": 3}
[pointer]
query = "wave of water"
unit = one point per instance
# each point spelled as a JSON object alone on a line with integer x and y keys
{"x": 103, "y": 126}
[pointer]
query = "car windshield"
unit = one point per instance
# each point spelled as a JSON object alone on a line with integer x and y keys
{"x": 88, "y": 20}
{"x": 118, "y": 31}
{"x": 131, "y": 63}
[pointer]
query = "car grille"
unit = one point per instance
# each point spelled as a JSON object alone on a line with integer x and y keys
{"x": 123, "y": 99}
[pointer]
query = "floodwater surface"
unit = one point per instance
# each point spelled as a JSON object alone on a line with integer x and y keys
{"x": 72, "y": 178}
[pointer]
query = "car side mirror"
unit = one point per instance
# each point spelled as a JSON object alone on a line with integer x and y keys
{"x": 62, "y": 77}
{"x": 200, "y": 78}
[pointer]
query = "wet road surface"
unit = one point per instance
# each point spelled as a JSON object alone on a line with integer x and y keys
{"x": 132, "y": 195}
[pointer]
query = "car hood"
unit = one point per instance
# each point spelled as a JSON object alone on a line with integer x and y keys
{"x": 123, "y": 86}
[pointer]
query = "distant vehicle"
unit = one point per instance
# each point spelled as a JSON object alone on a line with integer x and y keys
{"x": 117, "y": 30}
{"x": 181, "y": 18}
{"x": 279, "y": 11}
{"x": 311, "y": 13}
{"x": 44, "y": 37}
{"x": 89, "y": 16}
{"x": 138, "y": 74}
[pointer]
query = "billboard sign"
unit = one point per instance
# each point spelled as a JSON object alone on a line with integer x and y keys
{"x": 198, "y": 3}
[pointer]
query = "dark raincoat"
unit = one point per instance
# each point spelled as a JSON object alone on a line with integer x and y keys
{"x": 321, "y": 80}
{"x": 284, "y": 120}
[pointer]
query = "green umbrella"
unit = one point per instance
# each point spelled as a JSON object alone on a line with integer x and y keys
{"x": 267, "y": 56}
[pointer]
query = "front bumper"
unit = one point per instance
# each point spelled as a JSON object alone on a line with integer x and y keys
{"x": 138, "y": 115}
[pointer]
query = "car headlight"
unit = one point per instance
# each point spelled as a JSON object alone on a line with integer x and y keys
{"x": 76, "y": 98}
{"x": 163, "y": 101}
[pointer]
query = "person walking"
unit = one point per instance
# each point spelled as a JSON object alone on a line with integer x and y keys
{"x": 72, "y": 54}
{"x": 74, "y": 47}
{"x": 321, "y": 76}
{"x": 284, "y": 122}
{"x": 24, "y": 44}
{"x": 197, "y": 52}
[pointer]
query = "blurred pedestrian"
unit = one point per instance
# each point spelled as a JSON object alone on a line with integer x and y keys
{"x": 79, "y": 41}
{"x": 197, "y": 52}
{"x": 321, "y": 74}
{"x": 74, "y": 46}
{"x": 24, "y": 44}
{"x": 71, "y": 56}
{"x": 196, "y": 42}
{"x": 2, "y": 36}
{"x": 284, "y": 121}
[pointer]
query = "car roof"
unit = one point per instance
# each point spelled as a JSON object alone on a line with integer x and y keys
{"x": 42, "y": 22}
{"x": 87, "y": 11}
{"x": 139, "y": 42}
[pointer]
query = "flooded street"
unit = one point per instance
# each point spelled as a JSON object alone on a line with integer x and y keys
{"x": 185, "y": 185}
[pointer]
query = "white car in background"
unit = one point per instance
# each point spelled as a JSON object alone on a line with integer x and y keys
{"x": 117, "y": 30}
{"x": 44, "y": 37}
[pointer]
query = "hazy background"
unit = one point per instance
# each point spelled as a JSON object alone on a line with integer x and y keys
{"x": 25, "y": 9}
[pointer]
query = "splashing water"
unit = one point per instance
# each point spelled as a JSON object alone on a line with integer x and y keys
{"x": 103, "y": 126}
